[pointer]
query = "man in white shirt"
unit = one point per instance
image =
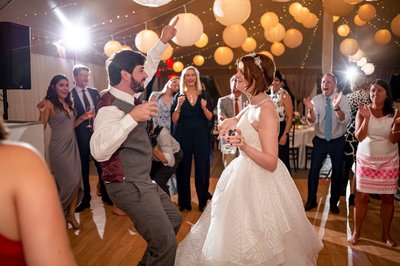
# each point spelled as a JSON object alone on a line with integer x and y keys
{"x": 121, "y": 144}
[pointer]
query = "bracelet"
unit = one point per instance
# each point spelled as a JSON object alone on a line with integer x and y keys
{"x": 395, "y": 132}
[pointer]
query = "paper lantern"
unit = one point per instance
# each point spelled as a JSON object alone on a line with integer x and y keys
{"x": 382, "y": 37}
{"x": 269, "y": 20}
{"x": 343, "y": 30}
{"x": 366, "y": 12}
{"x": 352, "y": 2}
{"x": 234, "y": 35}
{"x": 357, "y": 56}
{"x": 295, "y": 8}
{"x": 368, "y": 69}
{"x": 337, "y": 7}
{"x": 125, "y": 47}
{"x": 203, "y": 41}
{"x": 145, "y": 40}
{"x": 348, "y": 46}
{"x": 267, "y": 54}
{"x": 231, "y": 12}
{"x": 302, "y": 15}
{"x": 167, "y": 53}
{"x": 335, "y": 18}
{"x": 177, "y": 66}
{"x": 152, "y": 3}
{"x": 198, "y": 60}
{"x": 281, "y": 1}
{"x": 188, "y": 29}
{"x": 362, "y": 62}
{"x": 311, "y": 21}
{"x": 275, "y": 34}
{"x": 293, "y": 38}
{"x": 395, "y": 25}
{"x": 359, "y": 22}
{"x": 111, "y": 47}
{"x": 277, "y": 49}
{"x": 249, "y": 44}
{"x": 223, "y": 55}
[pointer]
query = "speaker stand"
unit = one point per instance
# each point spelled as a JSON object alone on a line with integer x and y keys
{"x": 5, "y": 105}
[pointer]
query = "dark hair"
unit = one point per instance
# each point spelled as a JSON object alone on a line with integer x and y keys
{"x": 278, "y": 75}
{"x": 258, "y": 69}
{"x": 388, "y": 103}
{"x": 3, "y": 130}
{"x": 124, "y": 60}
{"x": 52, "y": 95}
{"x": 78, "y": 68}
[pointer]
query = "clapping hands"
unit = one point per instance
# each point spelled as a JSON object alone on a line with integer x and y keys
{"x": 363, "y": 110}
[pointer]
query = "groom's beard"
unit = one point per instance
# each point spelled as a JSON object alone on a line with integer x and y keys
{"x": 137, "y": 86}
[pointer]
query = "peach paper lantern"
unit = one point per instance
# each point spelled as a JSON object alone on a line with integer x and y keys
{"x": 295, "y": 8}
{"x": 302, "y": 15}
{"x": 348, "y": 46}
{"x": 366, "y": 12}
{"x": 249, "y": 44}
{"x": 188, "y": 29}
{"x": 269, "y": 20}
{"x": 311, "y": 21}
{"x": 277, "y": 49}
{"x": 335, "y": 18}
{"x": 231, "y": 12}
{"x": 203, "y": 41}
{"x": 368, "y": 69}
{"x": 234, "y": 35}
{"x": 177, "y": 66}
{"x": 359, "y": 22}
{"x": 198, "y": 60}
{"x": 125, "y": 47}
{"x": 167, "y": 53}
{"x": 395, "y": 25}
{"x": 343, "y": 30}
{"x": 223, "y": 55}
{"x": 337, "y": 7}
{"x": 275, "y": 34}
{"x": 267, "y": 54}
{"x": 382, "y": 37}
{"x": 111, "y": 47}
{"x": 145, "y": 40}
{"x": 293, "y": 38}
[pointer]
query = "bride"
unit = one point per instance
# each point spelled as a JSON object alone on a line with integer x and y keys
{"x": 256, "y": 216}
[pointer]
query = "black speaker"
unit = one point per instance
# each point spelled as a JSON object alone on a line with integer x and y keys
{"x": 15, "y": 56}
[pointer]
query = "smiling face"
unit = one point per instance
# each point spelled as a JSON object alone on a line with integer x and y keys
{"x": 190, "y": 78}
{"x": 377, "y": 94}
{"x": 276, "y": 84}
{"x": 138, "y": 76}
{"x": 82, "y": 78}
{"x": 328, "y": 85}
{"x": 241, "y": 82}
{"x": 62, "y": 89}
{"x": 174, "y": 85}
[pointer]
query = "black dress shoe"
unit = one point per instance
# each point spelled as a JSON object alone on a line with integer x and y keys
{"x": 182, "y": 209}
{"x": 310, "y": 206}
{"x": 83, "y": 206}
{"x": 352, "y": 198}
{"x": 334, "y": 209}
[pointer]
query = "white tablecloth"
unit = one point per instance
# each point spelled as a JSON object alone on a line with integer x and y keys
{"x": 302, "y": 136}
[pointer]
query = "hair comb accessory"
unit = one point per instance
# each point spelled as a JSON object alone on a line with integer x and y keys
{"x": 257, "y": 60}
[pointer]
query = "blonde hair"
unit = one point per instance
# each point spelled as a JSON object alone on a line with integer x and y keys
{"x": 167, "y": 85}
{"x": 182, "y": 85}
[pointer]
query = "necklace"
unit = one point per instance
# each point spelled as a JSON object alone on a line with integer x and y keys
{"x": 191, "y": 100}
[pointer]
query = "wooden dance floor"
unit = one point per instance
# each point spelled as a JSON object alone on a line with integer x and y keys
{"x": 107, "y": 239}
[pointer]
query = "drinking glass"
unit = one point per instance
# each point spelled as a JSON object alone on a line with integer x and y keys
{"x": 227, "y": 148}
{"x": 90, "y": 113}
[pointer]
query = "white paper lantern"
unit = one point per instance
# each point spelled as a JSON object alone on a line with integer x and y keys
{"x": 111, "y": 47}
{"x": 249, "y": 44}
{"x": 366, "y": 12}
{"x": 357, "y": 56}
{"x": 188, "y": 29}
{"x": 167, "y": 53}
{"x": 311, "y": 21}
{"x": 269, "y": 20}
{"x": 295, "y": 8}
{"x": 359, "y": 22}
{"x": 349, "y": 46}
{"x": 302, "y": 15}
{"x": 362, "y": 62}
{"x": 382, "y": 37}
{"x": 277, "y": 49}
{"x": 231, "y": 12}
{"x": 293, "y": 38}
{"x": 395, "y": 25}
{"x": 223, "y": 55}
{"x": 152, "y": 3}
{"x": 198, "y": 60}
{"x": 203, "y": 41}
{"x": 145, "y": 40}
{"x": 267, "y": 54}
{"x": 177, "y": 66}
{"x": 352, "y": 2}
{"x": 337, "y": 7}
{"x": 368, "y": 69}
{"x": 234, "y": 35}
{"x": 343, "y": 30}
{"x": 275, "y": 34}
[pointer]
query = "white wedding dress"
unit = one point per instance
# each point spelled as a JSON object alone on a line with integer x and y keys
{"x": 256, "y": 217}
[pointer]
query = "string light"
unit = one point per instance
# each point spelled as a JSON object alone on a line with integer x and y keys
{"x": 303, "y": 63}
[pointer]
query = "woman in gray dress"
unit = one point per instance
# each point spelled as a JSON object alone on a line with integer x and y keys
{"x": 56, "y": 110}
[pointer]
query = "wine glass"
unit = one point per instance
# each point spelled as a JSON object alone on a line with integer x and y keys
{"x": 90, "y": 113}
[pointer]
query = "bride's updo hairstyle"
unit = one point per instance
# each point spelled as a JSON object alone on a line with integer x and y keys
{"x": 258, "y": 69}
